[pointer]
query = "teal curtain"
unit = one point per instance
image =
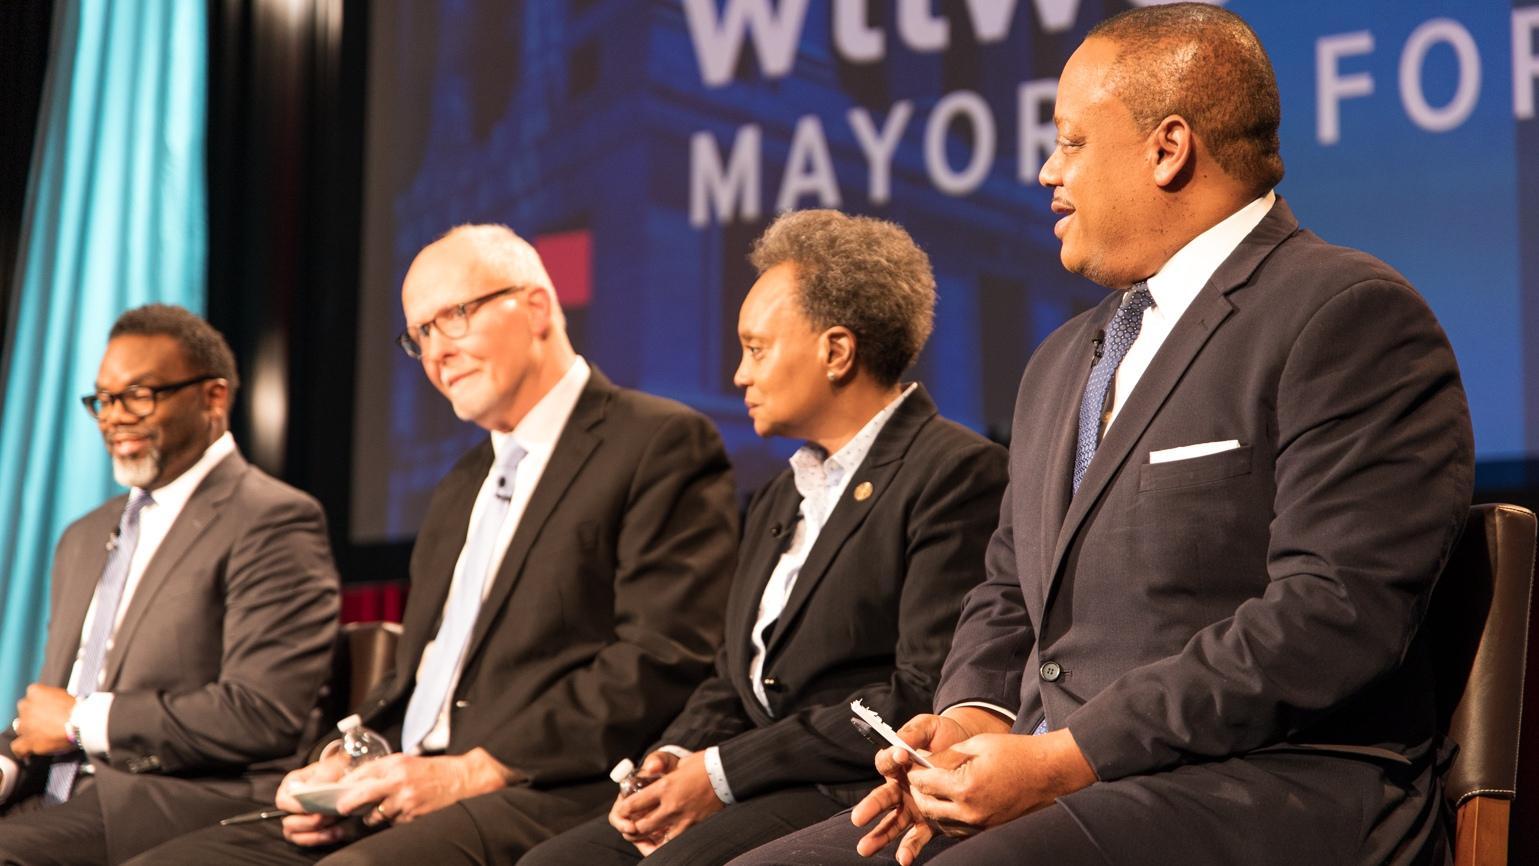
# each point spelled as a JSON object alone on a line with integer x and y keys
{"x": 115, "y": 218}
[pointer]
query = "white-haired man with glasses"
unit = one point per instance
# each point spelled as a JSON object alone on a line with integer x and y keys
{"x": 567, "y": 589}
{"x": 192, "y": 624}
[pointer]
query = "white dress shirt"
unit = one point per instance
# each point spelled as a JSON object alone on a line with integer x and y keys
{"x": 820, "y": 480}
{"x": 537, "y": 434}
{"x": 89, "y": 715}
{"x": 1176, "y": 285}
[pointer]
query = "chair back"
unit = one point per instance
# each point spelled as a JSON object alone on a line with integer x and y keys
{"x": 365, "y": 655}
{"x": 1479, "y": 614}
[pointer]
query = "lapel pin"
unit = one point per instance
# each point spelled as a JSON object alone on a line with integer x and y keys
{"x": 863, "y": 491}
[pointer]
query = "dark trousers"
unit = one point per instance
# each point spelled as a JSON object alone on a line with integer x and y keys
{"x": 1050, "y": 837}
{"x": 78, "y": 832}
{"x": 494, "y": 828}
{"x": 1276, "y": 808}
{"x": 734, "y": 830}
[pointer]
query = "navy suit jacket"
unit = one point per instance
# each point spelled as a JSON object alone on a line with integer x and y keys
{"x": 1265, "y": 597}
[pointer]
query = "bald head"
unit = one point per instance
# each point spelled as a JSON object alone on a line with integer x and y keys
{"x": 483, "y": 315}
{"x": 1205, "y": 65}
{"x": 495, "y": 253}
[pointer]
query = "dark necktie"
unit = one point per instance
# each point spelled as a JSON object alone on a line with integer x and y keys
{"x": 1120, "y": 335}
{"x": 109, "y": 593}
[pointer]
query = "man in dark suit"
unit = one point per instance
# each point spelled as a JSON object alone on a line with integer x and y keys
{"x": 192, "y": 625}
{"x": 1205, "y": 589}
{"x": 567, "y": 587}
{"x": 853, "y": 566}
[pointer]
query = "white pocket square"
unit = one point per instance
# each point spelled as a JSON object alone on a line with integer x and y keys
{"x": 1187, "y": 452}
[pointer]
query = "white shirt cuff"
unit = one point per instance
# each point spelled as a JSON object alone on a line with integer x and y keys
{"x": 677, "y": 751}
{"x": 718, "y": 776}
{"x": 8, "y": 772}
{"x": 987, "y": 706}
{"x": 89, "y": 717}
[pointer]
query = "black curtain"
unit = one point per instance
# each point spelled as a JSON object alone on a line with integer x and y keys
{"x": 285, "y": 169}
{"x": 25, "y": 32}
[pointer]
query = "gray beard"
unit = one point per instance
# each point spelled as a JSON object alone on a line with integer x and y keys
{"x": 138, "y": 472}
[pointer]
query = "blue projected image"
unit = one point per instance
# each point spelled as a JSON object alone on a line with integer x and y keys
{"x": 665, "y": 135}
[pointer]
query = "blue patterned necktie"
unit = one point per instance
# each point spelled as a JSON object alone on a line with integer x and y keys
{"x": 109, "y": 593}
{"x": 1120, "y": 335}
{"x": 460, "y": 610}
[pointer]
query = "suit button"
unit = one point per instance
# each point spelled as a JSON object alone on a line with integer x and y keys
{"x": 1050, "y": 671}
{"x": 771, "y": 684}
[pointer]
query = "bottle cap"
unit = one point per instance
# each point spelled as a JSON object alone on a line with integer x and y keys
{"x": 621, "y": 770}
{"x": 350, "y": 723}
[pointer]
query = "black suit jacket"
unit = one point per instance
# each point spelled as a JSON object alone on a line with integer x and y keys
{"x": 220, "y": 654}
{"x": 870, "y": 615}
{"x": 607, "y": 606}
{"x": 1263, "y": 597}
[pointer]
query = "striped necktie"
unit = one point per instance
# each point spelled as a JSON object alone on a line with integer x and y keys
{"x": 109, "y": 593}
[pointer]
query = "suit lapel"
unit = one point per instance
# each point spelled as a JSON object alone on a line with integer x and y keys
{"x": 761, "y": 555}
{"x": 577, "y": 442}
{"x": 881, "y": 464}
{"x": 1206, "y": 313}
{"x": 430, "y": 581}
{"x": 74, "y": 597}
{"x": 1058, "y": 491}
{"x": 202, "y": 508}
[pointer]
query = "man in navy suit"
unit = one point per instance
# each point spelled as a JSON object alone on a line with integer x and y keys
{"x": 1233, "y": 485}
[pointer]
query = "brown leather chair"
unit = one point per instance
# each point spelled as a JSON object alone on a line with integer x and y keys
{"x": 365, "y": 654}
{"x": 1479, "y": 621}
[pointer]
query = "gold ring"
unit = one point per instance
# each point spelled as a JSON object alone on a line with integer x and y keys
{"x": 380, "y": 808}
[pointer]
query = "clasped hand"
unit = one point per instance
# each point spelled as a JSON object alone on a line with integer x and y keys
{"x": 678, "y": 796}
{"x": 982, "y": 777}
{"x": 40, "y": 722}
{"x": 397, "y": 788}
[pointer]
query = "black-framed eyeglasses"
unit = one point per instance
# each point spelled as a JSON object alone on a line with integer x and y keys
{"x": 452, "y": 322}
{"x": 139, "y": 400}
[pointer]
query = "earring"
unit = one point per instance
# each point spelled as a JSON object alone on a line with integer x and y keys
{"x": 832, "y": 376}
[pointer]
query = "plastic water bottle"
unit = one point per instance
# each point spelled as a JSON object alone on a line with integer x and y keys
{"x": 358, "y": 744}
{"x": 624, "y": 774}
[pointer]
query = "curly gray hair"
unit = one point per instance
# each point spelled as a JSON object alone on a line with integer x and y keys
{"x": 863, "y": 273}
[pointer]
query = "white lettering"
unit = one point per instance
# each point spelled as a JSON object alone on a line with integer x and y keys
{"x": 1525, "y": 61}
{"x": 1458, "y": 109}
{"x": 808, "y": 168}
{"x": 854, "y": 37}
{"x": 921, "y": 29}
{"x": 967, "y": 104}
{"x": 1331, "y": 86}
{"x": 1038, "y": 134}
{"x": 1057, "y": 16}
{"x": 991, "y": 19}
{"x": 718, "y": 194}
{"x": 878, "y": 147}
{"x": 775, "y": 28}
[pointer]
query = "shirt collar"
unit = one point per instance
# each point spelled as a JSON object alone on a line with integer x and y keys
{"x": 816, "y": 474}
{"x": 175, "y": 493}
{"x": 541, "y": 426}
{"x": 1183, "y": 276}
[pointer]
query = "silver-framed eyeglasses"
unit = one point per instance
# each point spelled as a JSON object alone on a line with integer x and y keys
{"x": 452, "y": 321}
{"x": 139, "y": 400}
